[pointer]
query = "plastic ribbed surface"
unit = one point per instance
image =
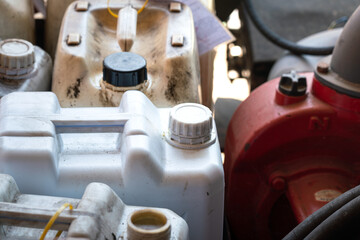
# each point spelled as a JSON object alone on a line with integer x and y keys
{"x": 190, "y": 123}
{"x": 17, "y": 57}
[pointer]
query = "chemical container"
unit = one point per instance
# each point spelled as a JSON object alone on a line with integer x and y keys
{"x": 23, "y": 67}
{"x": 157, "y": 157}
{"x": 17, "y": 20}
{"x": 99, "y": 214}
{"x": 56, "y": 10}
{"x": 165, "y": 43}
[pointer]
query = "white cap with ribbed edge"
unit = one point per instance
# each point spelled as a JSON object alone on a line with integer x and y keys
{"x": 190, "y": 124}
{"x": 17, "y": 57}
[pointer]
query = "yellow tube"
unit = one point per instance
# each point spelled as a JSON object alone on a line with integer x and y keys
{"x": 53, "y": 219}
{"x": 116, "y": 16}
{"x": 143, "y": 7}
{"x": 58, "y": 234}
{"x": 109, "y": 10}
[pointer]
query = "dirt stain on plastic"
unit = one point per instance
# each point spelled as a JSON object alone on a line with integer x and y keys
{"x": 178, "y": 81}
{"x": 73, "y": 91}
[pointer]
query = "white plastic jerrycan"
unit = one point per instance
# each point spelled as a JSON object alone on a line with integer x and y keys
{"x": 99, "y": 214}
{"x": 156, "y": 157}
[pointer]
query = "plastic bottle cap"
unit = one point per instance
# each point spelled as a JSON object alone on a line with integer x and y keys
{"x": 124, "y": 69}
{"x": 17, "y": 57}
{"x": 190, "y": 123}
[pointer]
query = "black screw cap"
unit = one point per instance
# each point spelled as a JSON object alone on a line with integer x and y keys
{"x": 124, "y": 69}
{"x": 292, "y": 84}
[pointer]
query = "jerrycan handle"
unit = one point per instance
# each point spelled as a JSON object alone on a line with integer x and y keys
{"x": 94, "y": 125}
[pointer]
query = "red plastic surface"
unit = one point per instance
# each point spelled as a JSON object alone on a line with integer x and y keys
{"x": 283, "y": 162}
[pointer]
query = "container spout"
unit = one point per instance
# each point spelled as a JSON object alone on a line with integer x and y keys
{"x": 148, "y": 224}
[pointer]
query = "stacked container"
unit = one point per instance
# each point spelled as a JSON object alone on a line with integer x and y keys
{"x": 149, "y": 156}
{"x": 157, "y": 157}
{"x": 99, "y": 214}
{"x": 164, "y": 38}
{"x": 56, "y": 9}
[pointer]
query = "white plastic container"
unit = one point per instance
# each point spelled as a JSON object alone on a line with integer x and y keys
{"x": 173, "y": 69}
{"x": 17, "y": 20}
{"x": 99, "y": 214}
{"x": 23, "y": 67}
{"x": 58, "y": 151}
{"x": 56, "y": 10}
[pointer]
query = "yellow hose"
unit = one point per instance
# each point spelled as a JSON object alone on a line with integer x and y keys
{"x": 143, "y": 7}
{"x": 116, "y": 16}
{"x": 109, "y": 10}
{"x": 53, "y": 219}
{"x": 58, "y": 234}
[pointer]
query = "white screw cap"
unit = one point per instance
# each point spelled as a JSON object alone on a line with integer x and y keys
{"x": 190, "y": 123}
{"x": 17, "y": 57}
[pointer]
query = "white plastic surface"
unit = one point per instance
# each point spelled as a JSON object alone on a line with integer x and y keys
{"x": 99, "y": 214}
{"x": 58, "y": 151}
